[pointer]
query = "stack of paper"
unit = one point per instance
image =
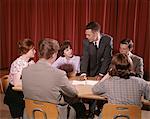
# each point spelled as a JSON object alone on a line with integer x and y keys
{"x": 85, "y": 82}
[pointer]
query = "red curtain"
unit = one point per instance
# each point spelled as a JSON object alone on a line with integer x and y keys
{"x": 66, "y": 19}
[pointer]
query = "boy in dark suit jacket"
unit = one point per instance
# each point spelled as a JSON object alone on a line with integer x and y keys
{"x": 126, "y": 46}
{"x": 97, "y": 51}
{"x": 97, "y": 55}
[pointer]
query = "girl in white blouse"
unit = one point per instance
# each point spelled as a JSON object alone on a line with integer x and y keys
{"x": 66, "y": 56}
{"x": 14, "y": 99}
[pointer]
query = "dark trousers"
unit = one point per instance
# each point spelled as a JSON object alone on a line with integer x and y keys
{"x": 15, "y": 102}
{"x": 80, "y": 110}
{"x": 77, "y": 104}
{"x": 92, "y": 105}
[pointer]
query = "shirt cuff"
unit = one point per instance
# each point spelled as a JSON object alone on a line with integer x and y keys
{"x": 83, "y": 74}
{"x": 101, "y": 74}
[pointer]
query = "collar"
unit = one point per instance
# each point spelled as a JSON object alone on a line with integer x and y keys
{"x": 44, "y": 61}
{"x": 98, "y": 41}
{"x": 130, "y": 54}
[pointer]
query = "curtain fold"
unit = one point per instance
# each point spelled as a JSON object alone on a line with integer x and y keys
{"x": 66, "y": 19}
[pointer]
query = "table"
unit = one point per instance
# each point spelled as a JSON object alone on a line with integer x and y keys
{"x": 84, "y": 89}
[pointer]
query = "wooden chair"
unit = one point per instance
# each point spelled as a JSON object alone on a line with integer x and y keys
{"x": 40, "y": 110}
{"x": 4, "y": 83}
{"x": 119, "y": 111}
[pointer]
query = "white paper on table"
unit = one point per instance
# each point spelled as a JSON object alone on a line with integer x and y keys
{"x": 91, "y": 82}
{"x": 85, "y": 82}
{"x": 75, "y": 82}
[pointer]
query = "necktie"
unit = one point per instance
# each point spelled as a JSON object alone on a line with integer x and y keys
{"x": 95, "y": 44}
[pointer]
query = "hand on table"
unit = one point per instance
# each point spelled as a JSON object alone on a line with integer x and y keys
{"x": 83, "y": 77}
{"x": 98, "y": 77}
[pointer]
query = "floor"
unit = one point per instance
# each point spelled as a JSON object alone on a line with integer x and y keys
{"x": 4, "y": 112}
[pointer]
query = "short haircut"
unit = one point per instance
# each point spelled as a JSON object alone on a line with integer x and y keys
{"x": 47, "y": 47}
{"x": 128, "y": 42}
{"x": 120, "y": 66}
{"x": 25, "y": 45}
{"x": 68, "y": 68}
{"x": 64, "y": 45}
{"x": 94, "y": 26}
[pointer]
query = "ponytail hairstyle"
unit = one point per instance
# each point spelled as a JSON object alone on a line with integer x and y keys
{"x": 68, "y": 68}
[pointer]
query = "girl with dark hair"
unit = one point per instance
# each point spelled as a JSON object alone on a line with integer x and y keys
{"x": 67, "y": 57}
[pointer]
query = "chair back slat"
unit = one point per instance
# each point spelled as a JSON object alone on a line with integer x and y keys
{"x": 4, "y": 83}
{"x": 119, "y": 111}
{"x": 40, "y": 110}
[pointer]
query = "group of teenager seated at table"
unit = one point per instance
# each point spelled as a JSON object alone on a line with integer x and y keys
{"x": 47, "y": 79}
